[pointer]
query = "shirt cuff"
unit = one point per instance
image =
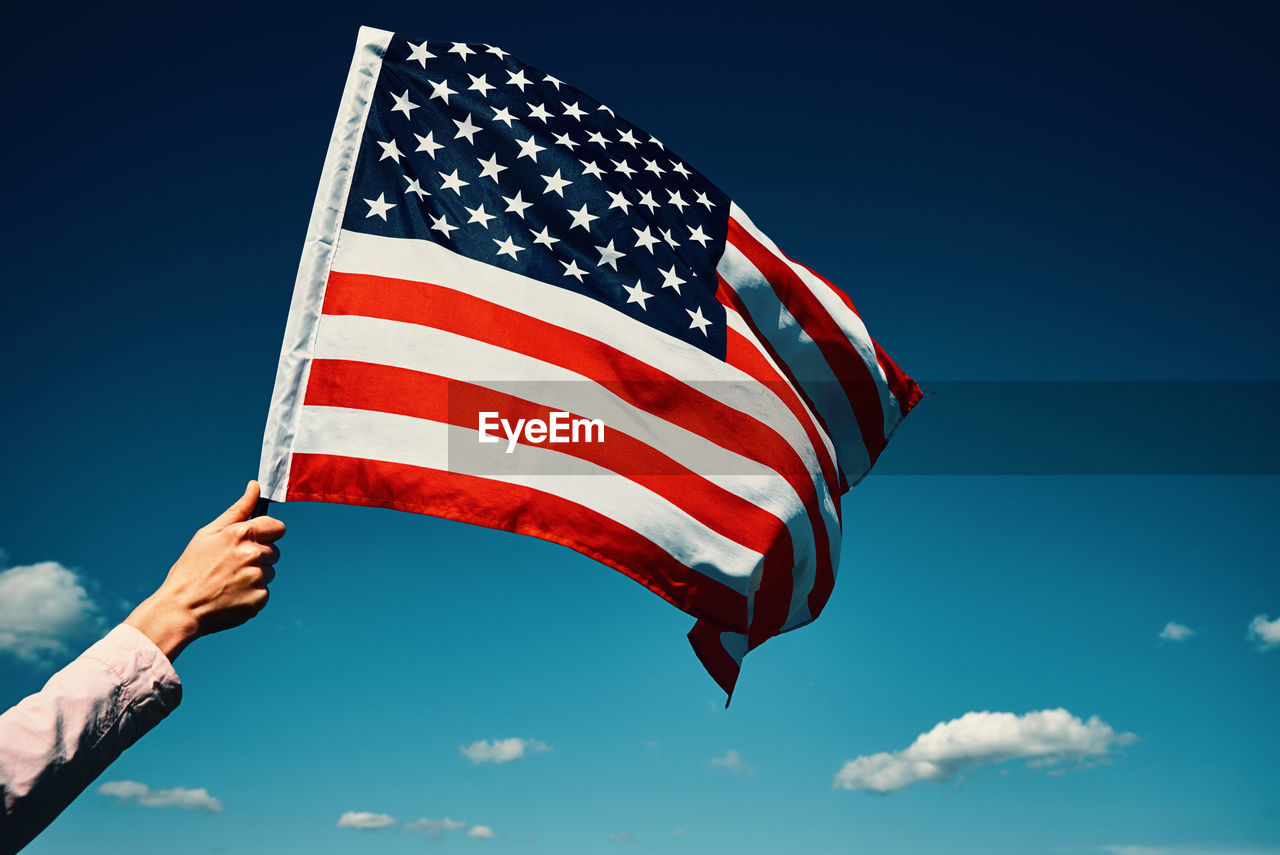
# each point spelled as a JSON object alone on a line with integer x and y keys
{"x": 144, "y": 671}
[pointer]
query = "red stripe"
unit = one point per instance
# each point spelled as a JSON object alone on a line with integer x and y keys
{"x": 854, "y": 375}
{"x": 740, "y": 353}
{"x": 904, "y": 389}
{"x": 389, "y": 389}
{"x": 495, "y": 504}
{"x": 629, "y": 378}
{"x": 723, "y": 668}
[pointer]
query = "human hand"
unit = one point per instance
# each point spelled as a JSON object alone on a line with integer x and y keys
{"x": 220, "y": 581}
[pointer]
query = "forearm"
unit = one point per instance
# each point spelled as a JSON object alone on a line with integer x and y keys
{"x": 56, "y": 742}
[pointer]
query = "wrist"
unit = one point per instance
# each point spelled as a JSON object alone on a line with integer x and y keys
{"x": 169, "y": 626}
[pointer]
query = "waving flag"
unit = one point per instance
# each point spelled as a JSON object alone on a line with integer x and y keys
{"x": 518, "y": 310}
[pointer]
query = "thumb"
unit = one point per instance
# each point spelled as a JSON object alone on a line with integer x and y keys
{"x": 241, "y": 510}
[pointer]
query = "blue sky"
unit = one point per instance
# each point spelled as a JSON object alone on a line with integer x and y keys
{"x": 1007, "y": 194}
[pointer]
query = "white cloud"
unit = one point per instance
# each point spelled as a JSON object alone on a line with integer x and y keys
{"x": 435, "y": 826}
{"x": 501, "y": 750}
{"x": 982, "y": 739}
{"x": 365, "y": 820}
{"x": 1265, "y": 633}
{"x": 42, "y": 607}
{"x": 1176, "y": 632}
{"x": 621, "y": 837}
{"x": 733, "y": 761}
{"x": 482, "y": 831}
{"x": 179, "y": 797}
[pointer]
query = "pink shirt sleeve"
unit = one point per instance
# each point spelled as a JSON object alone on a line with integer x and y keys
{"x": 54, "y": 743}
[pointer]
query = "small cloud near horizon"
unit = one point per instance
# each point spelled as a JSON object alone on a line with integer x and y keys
{"x": 1265, "y": 633}
{"x": 482, "y": 832}
{"x": 733, "y": 761}
{"x": 435, "y": 826}
{"x": 1176, "y": 632}
{"x": 132, "y": 792}
{"x": 501, "y": 750}
{"x": 365, "y": 821}
{"x": 984, "y": 738}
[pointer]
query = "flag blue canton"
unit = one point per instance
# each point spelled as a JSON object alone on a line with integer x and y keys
{"x": 468, "y": 147}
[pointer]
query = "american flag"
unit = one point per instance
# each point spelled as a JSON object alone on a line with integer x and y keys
{"x": 487, "y": 238}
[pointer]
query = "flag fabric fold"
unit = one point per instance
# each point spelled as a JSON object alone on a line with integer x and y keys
{"x": 518, "y": 310}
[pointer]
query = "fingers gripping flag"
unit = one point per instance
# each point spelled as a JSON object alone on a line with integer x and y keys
{"x": 518, "y": 310}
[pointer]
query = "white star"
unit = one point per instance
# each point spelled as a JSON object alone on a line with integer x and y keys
{"x": 390, "y": 150}
{"x": 598, "y": 137}
{"x": 574, "y": 111}
{"x": 670, "y": 279}
{"x": 466, "y": 129}
{"x": 428, "y": 144}
{"x": 646, "y": 199}
{"x": 497, "y": 51}
{"x": 589, "y": 168}
{"x": 666, "y": 235}
{"x": 529, "y": 148}
{"x": 518, "y": 79}
{"x": 491, "y": 167}
{"x": 677, "y": 200}
{"x": 552, "y": 81}
{"x": 503, "y": 115}
{"x": 461, "y": 50}
{"x": 619, "y": 201}
{"x": 582, "y": 218}
{"x": 419, "y": 53}
{"x": 607, "y": 110}
{"x": 652, "y": 166}
{"x": 508, "y": 247}
{"x": 516, "y": 204}
{"x": 379, "y": 207}
{"x": 609, "y": 255}
{"x": 645, "y": 239}
{"x": 555, "y": 184}
{"x": 628, "y": 138}
{"x": 638, "y": 294}
{"x": 441, "y": 224}
{"x": 441, "y": 90}
{"x": 414, "y": 187}
{"x": 538, "y": 112}
{"x": 571, "y": 269}
{"x": 698, "y": 321}
{"x": 657, "y": 142}
{"x": 478, "y": 215}
{"x": 703, "y": 200}
{"x": 679, "y": 167}
{"x": 481, "y": 84}
{"x": 403, "y": 104}
{"x": 544, "y": 237}
{"x": 453, "y": 182}
{"x": 564, "y": 140}
{"x": 698, "y": 235}
{"x": 623, "y": 167}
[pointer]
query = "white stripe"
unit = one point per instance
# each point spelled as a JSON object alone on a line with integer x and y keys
{"x": 407, "y": 259}
{"x": 426, "y": 349}
{"x": 420, "y": 442}
{"x": 803, "y": 576}
{"x": 846, "y": 319}
{"x": 802, "y": 356}
{"x": 317, "y": 253}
